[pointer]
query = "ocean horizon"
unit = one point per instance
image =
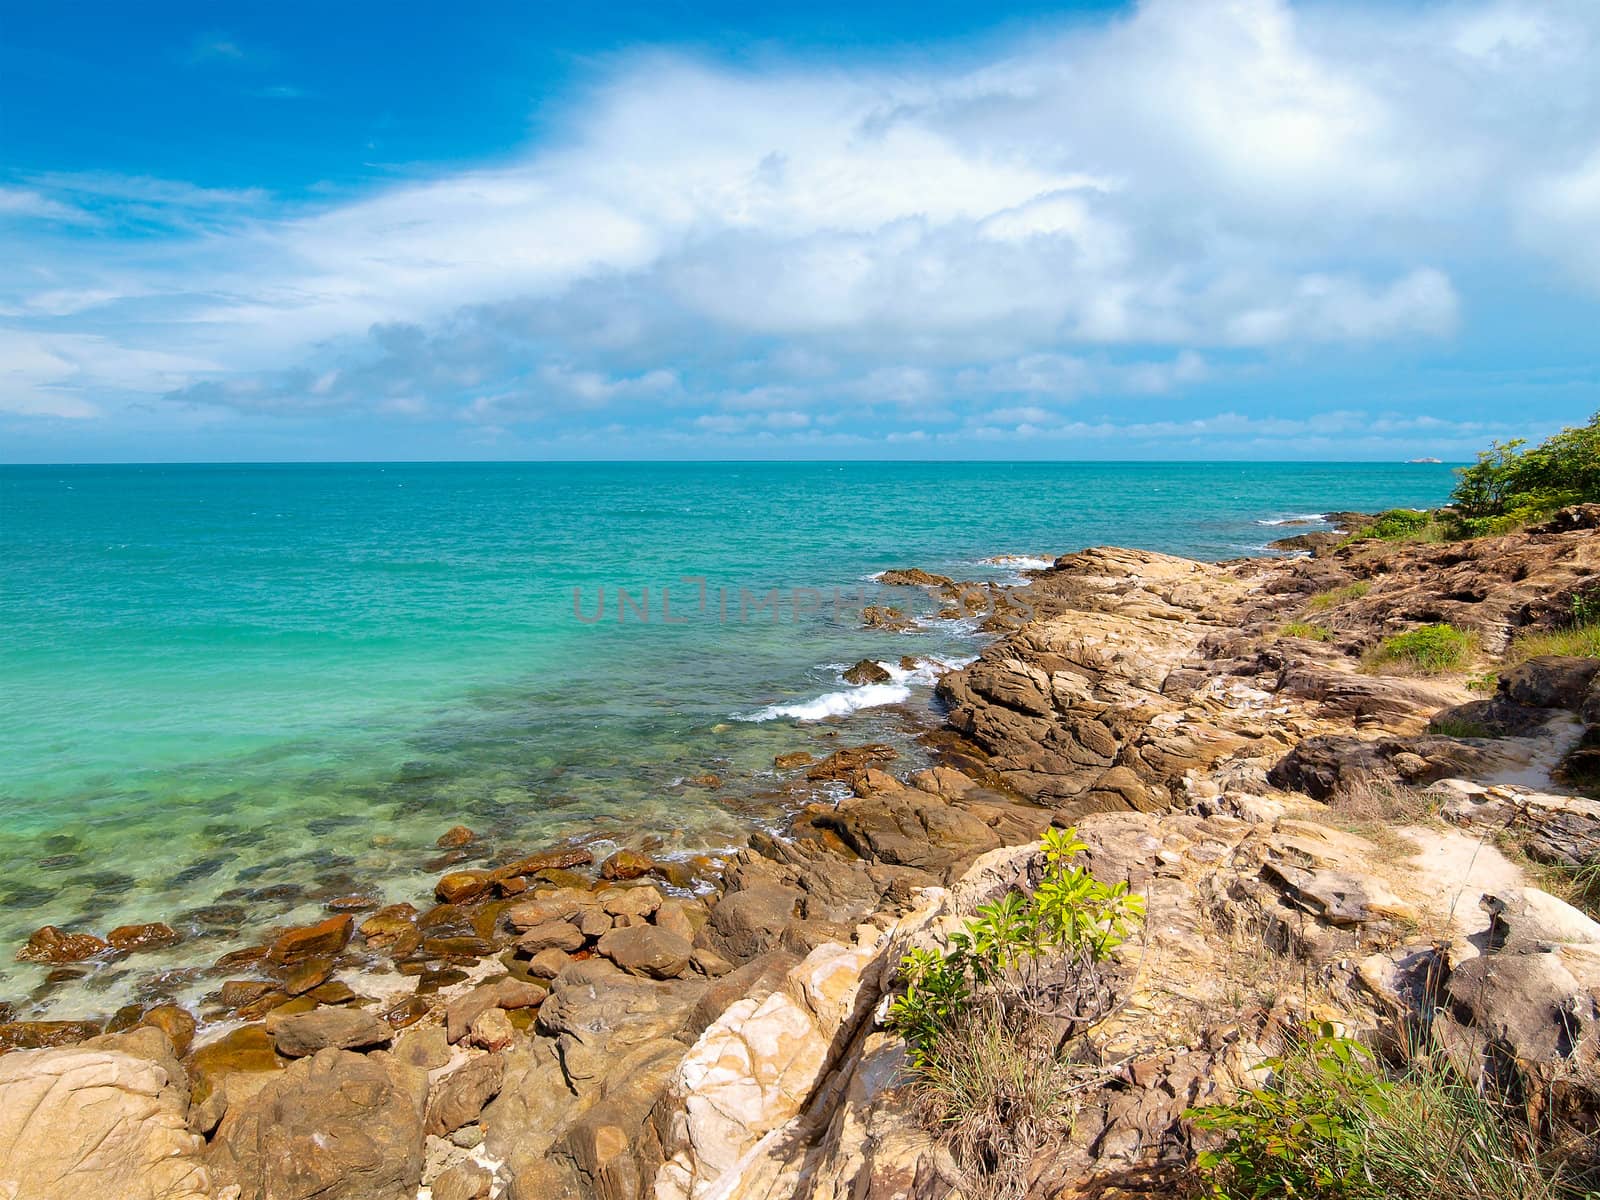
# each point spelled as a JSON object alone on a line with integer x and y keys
{"x": 233, "y": 691}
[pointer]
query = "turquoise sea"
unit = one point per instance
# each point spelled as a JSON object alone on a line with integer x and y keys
{"x": 232, "y": 691}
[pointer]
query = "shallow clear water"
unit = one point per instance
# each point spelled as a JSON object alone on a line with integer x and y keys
{"x": 274, "y": 682}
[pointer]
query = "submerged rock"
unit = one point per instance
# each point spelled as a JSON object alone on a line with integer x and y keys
{"x": 49, "y": 944}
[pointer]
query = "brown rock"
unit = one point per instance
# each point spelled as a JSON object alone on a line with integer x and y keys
{"x": 843, "y": 764}
{"x": 647, "y": 950}
{"x": 51, "y": 945}
{"x": 459, "y": 1097}
{"x": 335, "y": 991}
{"x": 707, "y": 780}
{"x": 37, "y": 1035}
{"x": 175, "y": 1022}
{"x": 798, "y": 758}
{"x": 638, "y": 902}
{"x": 312, "y": 941}
{"x": 339, "y": 1028}
{"x": 458, "y": 887}
{"x": 304, "y": 976}
{"x": 492, "y": 1030}
{"x": 456, "y": 835}
{"x": 457, "y": 947}
{"x": 248, "y": 1048}
{"x": 336, "y": 1126}
{"x": 559, "y": 935}
{"x": 627, "y": 864}
{"x": 549, "y": 860}
{"x": 408, "y": 1012}
{"x": 549, "y": 963}
{"x": 464, "y": 1181}
{"x": 236, "y": 993}
{"x": 127, "y": 938}
{"x": 867, "y": 671}
{"x": 388, "y": 923}
{"x": 247, "y": 957}
{"x": 354, "y": 902}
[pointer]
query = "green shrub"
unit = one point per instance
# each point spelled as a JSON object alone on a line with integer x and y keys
{"x": 1308, "y": 631}
{"x": 981, "y": 1019}
{"x": 1331, "y": 1125}
{"x": 1430, "y": 649}
{"x": 1513, "y": 484}
{"x": 1579, "y": 638}
{"x": 1456, "y": 728}
{"x": 1398, "y": 523}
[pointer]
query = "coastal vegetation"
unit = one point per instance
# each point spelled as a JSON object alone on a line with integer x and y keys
{"x": 983, "y": 1020}
{"x": 1333, "y": 1124}
{"x": 1307, "y": 631}
{"x": 1338, "y": 595}
{"x": 1428, "y": 650}
{"x": 1513, "y": 484}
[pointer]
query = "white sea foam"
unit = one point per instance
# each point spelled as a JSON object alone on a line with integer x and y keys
{"x": 867, "y": 695}
{"x": 1019, "y": 562}
{"x": 1297, "y": 519}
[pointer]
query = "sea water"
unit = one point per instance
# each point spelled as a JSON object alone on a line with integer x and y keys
{"x": 229, "y": 691}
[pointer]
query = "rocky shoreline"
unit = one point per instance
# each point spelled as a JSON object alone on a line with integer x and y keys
{"x": 570, "y": 1032}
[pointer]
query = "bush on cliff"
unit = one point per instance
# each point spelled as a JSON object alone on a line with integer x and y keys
{"x": 1331, "y": 1124}
{"x": 983, "y": 1021}
{"x": 1513, "y": 484}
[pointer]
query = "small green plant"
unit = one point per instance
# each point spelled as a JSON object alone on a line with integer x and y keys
{"x": 1308, "y": 631}
{"x": 1338, "y": 595}
{"x": 1430, "y": 649}
{"x": 1330, "y": 1124}
{"x": 1489, "y": 681}
{"x": 1298, "y": 1136}
{"x": 1072, "y": 920}
{"x": 983, "y": 1020}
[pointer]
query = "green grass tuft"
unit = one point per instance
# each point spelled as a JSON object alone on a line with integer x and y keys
{"x": 1304, "y": 629}
{"x": 1338, "y": 595}
{"x": 1430, "y": 650}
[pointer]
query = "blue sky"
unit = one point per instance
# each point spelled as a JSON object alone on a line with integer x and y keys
{"x": 1183, "y": 228}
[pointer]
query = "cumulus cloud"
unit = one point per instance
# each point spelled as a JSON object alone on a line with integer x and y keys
{"x": 1127, "y": 208}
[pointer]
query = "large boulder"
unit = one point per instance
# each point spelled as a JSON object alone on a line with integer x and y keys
{"x": 301, "y": 1034}
{"x": 1550, "y": 681}
{"x": 98, "y": 1121}
{"x": 336, "y": 1126}
{"x": 647, "y": 950}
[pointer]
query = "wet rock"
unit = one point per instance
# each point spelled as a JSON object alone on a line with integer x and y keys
{"x": 867, "y": 671}
{"x": 312, "y": 941}
{"x": 174, "y": 1021}
{"x": 705, "y": 780}
{"x": 408, "y": 1012}
{"x": 456, "y": 835}
{"x": 797, "y": 758}
{"x": 236, "y": 993}
{"x": 845, "y": 764}
{"x": 36, "y": 1035}
{"x": 885, "y": 616}
{"x": 627, "y": 864}
{"x": 97, "y": 1122}
{"x": 235, "y": 959}
{"x": 351, "y": 902}
{"x": 459, "y": 1097}
{"x": 334, "y": 991}
{"x": 647, "y": 950}
{"x": 49, "y": 944}
{"x": 152, "y": 936}
{"x": 914, "y": 577}
{"x": 550, "y": 860}
{"x": 246, "y": 1049}
{"x": 459, "y": 887}
{"x": 336, "y": 1126}
{"x": 304, "y": 976}
{"x": 457, "y": 947}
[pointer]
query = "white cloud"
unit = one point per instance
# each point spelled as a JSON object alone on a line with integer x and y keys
{"x": 1100, "y": 211}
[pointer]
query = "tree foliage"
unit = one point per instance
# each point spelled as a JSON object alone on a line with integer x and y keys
{"x": 1512, "y": 482}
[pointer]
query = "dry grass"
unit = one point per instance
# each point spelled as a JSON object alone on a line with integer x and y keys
{"x": 999, "y": 1092}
